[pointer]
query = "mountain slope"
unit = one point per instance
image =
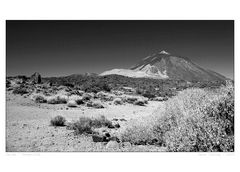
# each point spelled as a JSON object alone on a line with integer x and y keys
{"x": 163, "y": 65}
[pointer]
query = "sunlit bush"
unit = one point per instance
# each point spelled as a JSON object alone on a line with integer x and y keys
{"x": 198, "y": 120}
{"x": 71, "y": 103}
{"x": 194, "y": 120}
{"x": 57, "y": 99}
{"x": 139, "y": 132}
{"x": 39, "y": 98}
{"x": 77, "y": 99}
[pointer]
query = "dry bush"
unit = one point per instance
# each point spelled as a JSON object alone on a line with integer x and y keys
{"x": 57, "y": 99}
{"x": 198, "y": 120}
{"x": 87, "y": 96}
{"x": 105, "y": 96}
{"x": 58, "y": 121}
{"x": 137, "y": 100}
{"x": 140, "y": 102}
{"x": 95, "y": 104}
{"x": 39, "y": 98}
{"x": 8, "y": 84}
{"x": 71, "y": 103}
{"x": 20, "y": 90}
{"x": 77, "y": 99}
{"x": 195, "y": 120}
{"x": 130, "y": 99}
{"x": 86, "y": 125}
{"x": 140, "y": 132}
{"x": 96, "y": 86}
{"x": 117, "y": 101}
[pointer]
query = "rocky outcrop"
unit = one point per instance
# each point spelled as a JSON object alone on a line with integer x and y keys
{"x": 36, "y": 78}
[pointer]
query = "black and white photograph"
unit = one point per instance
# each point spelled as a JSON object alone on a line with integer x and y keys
{"x": 120, "y": 86}
{"x": 130, "y": 85}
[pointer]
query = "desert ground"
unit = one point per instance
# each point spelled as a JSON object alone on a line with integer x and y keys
{"x": 96, "y": 117}
{"x": 28, "y": 126}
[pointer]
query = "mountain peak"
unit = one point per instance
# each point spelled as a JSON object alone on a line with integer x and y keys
{"x": 163, "y": 52}
{"x": 162, "y": 65}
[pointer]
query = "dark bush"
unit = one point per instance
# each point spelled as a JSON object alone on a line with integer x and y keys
{"x": 96, "y": 86}
{"x": 8, "y": 83}
{"x": 58, "y": 121}
{"x": 148, "y": 95}
{"x": 68, "y": 85}
{"x": 20, "y": 90}
{"x": 86, "y": 124}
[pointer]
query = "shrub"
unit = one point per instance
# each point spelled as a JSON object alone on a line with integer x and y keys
{"x": 39, "y": 98}
{"x": 139, "y": 102}
{"x": 20, "y": 90}
{"x": 77, "y": 99}
{"x": 58, "y": 121}
{"x": 194, "y": 120}
{"x": 52, "y": 100}
{"x": 95, "y": 104}
{"x": 86, "y": 96}
{"x": 105, "y": 96}
{"x": 57, "y": 99}
{"x": 62, "y": 99}
{"x": 160, "y": 99}
{"x": 8, "y": 83}
{"x": 148, "y": 95}
{"x": 96, "y": 86}
{"x": 117, "y": 101}
{"x": 198, "y": 120}
{"x": 68, "y": 85}
{"x": 139, "y": 91}
{"x": 86, "y": 125}
{"x": 139, "y": 132}
{"x": 130, "y": 99}
{"x": 101, "y": 122}
{"x": 71, "y": 103}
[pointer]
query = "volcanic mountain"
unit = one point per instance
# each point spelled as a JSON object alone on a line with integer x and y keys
{"x": 163, "y": 65}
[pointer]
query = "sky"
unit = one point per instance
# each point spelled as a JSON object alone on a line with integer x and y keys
{"x": 60, "y": 48}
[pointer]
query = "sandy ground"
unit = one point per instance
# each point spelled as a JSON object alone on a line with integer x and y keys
{"x": 28, "y": 125}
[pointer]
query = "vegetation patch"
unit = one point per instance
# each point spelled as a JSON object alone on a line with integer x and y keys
{"x": 195, "y": 120}
{"x": 71, "y": 103}
{"x": 86, "y": 125}
{"x": 20, "y": 90}
{"x": 39, "y": 98}
{"x": 58, "y": 121}
{"x": 57, "y": 99}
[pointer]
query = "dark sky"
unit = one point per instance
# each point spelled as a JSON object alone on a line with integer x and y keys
{"x": 60, "y": 48}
